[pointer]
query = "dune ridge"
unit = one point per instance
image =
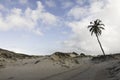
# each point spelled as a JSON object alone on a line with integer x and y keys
{"x": 58, "y": 66}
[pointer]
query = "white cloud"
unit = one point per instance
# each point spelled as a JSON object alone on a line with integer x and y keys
{"x": 97, "y": 6}
{"x": 110, "y": 39}
{"x": 48, "y": 18}
{"x": 41, "y": 14}
{"x": 28, "y": 19}
{"x": 77, "y": 12}
{"x": 50, "y": 3}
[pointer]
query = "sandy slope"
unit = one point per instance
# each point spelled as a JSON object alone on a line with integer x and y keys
{"x": 47, "y": 69}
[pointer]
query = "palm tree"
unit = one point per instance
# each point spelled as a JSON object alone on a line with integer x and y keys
{"x": 96, "y": 28}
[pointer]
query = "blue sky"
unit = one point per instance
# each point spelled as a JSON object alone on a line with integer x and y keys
{"x": 41, "y": 27}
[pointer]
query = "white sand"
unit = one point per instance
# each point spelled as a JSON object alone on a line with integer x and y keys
{"x": 47, "y": 69}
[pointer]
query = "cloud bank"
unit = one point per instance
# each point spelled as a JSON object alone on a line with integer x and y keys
{"x": 28, "y": 19}
{"x": 106, "y": 10}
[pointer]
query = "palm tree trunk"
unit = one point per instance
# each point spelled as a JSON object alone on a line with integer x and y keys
{"x": 100, "y": 44}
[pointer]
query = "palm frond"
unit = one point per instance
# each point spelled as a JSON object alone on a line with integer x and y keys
{"x": 90, "y": 26}
{"x": 99, "y": 21}
{"x": 96, "y": 27}
{"x": 91, "y": 22}
{"x": 102, "y": 28}
{"x": 95, "y": 22}
{"x": 102, "y": 24}
{"x": 91, "y": 29}
{"x": 92, "y": 32}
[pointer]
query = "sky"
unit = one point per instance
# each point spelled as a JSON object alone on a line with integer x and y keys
{"x": 42, "y": 27}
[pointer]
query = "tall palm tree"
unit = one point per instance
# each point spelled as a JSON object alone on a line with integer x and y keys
{"x": 96, "y": 28}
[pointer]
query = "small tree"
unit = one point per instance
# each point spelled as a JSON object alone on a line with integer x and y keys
{"x": 96, "y": 28}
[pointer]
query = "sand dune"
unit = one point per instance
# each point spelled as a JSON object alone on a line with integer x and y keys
{"x": 47, "y": 69}
{"x": 62, "y": 68}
